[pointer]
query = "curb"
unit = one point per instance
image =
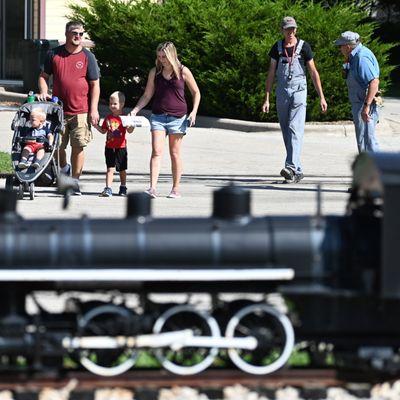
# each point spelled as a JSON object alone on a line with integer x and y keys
{"x": 249, "y": 126}
{"x": 213, "y": 122}
{"x": 385, "y": 126}
{"x": 252, "y": 126}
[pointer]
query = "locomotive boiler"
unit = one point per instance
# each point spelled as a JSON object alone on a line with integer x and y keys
{"x": 190, "y": 290}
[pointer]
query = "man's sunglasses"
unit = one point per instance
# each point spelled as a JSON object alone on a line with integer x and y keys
{"x": 77, "y": 33}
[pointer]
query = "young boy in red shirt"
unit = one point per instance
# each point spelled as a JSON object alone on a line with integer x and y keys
{"x": 115, "y": 152}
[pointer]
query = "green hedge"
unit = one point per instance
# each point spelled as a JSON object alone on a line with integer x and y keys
{"x": 225, "y": 43}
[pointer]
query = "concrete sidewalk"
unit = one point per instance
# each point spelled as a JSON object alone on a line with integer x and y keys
{"x": 213, "y": 158}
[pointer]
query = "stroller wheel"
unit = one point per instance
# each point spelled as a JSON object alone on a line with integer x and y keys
{"x": 9, "y": 183}
{"x": 21, "y": 191}
{"x": 32, "y": 190}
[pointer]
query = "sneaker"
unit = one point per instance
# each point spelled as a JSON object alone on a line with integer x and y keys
{"x": 107, "y": 192}
{"x": 36, "y": 165}
{"x": 287, "y": 173}
{"x": 123, "y": 191}
{"x": 298, "y": 177}
{"x": 66, "y": 170}
{"x": 24, "y": 164}
{"x": 174, "y": 195}
{"x": 151, "y": 192}
{"x": 77, "y": 189}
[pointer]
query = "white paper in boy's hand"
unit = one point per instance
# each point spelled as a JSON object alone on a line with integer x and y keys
{"x": 130, "y": 120}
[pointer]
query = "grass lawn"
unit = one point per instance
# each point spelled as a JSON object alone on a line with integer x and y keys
{"x": 5, "y": 163}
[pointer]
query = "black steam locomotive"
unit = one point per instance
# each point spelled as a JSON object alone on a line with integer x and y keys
{"x": 192, "y": 289}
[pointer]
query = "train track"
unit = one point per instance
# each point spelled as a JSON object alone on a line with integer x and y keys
{"x": 162, "y": 379}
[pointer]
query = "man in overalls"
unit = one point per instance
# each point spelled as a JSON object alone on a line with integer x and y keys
{"x": 361, "y": 70}
{"x": 289, "y": 58}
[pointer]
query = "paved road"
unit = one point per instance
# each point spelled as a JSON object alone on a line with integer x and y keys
{"x": 214, "y": 158}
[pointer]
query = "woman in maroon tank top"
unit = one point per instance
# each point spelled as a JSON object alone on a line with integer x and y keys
{"x": 166, "y": 86}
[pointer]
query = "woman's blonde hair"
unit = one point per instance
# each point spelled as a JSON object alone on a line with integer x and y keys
{"x": 170, "y": 52}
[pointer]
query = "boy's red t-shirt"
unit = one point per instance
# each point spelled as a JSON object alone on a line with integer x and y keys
{"x": 116, "y": 133}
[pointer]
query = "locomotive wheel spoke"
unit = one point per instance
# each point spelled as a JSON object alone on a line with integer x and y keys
{"x": 243, "y": 330}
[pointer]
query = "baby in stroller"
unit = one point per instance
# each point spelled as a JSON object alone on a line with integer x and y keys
{"x": 37, "y": 128}
{"x": 41, "y": 136}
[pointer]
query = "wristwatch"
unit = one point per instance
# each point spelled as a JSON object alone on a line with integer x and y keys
{"x": 367, "y": 104}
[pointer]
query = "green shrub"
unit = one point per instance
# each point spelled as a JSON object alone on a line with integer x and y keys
{"x": 225, "y": 43}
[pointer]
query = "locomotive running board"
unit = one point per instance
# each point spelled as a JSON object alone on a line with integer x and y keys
{"x": 146, "y": 275}
{"x": 176, "y": 340}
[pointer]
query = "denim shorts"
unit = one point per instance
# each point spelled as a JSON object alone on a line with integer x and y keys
{"x": 169, "y": 124}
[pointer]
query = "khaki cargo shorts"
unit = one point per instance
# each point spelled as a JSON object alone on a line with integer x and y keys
{"x": 77, "y": 131}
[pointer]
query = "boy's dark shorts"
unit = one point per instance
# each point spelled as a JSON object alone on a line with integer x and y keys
{"x": 116, "y": 158}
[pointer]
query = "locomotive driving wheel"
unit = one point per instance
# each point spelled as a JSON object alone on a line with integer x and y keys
{"x": 274, "y": 334}
{"x": 187, "y": 360}
{"x": 107, "y": 320}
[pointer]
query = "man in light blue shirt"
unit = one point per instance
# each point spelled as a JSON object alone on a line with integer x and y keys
{"x": 361, "y": 70}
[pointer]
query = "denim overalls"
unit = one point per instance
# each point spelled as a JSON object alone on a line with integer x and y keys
{"x": 365, "y": 132}
{"x": 291, "y": 101}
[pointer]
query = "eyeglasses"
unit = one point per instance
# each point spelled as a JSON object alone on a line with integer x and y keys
{"x": 73, "y": 33}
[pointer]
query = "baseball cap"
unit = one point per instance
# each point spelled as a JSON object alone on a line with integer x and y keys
{"x": 288, "y": 22}
{"x": 347, "y": 37}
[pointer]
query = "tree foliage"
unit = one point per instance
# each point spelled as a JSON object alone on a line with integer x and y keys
{"x": 225, "y": 43}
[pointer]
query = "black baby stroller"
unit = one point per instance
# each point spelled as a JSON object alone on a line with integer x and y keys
{"x": 46, "y": 174}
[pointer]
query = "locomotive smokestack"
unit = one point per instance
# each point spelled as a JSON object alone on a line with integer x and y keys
{"x": 8, "y": 202}
{"x": 231, "y": 202}
{"x": 138, "y": 205}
